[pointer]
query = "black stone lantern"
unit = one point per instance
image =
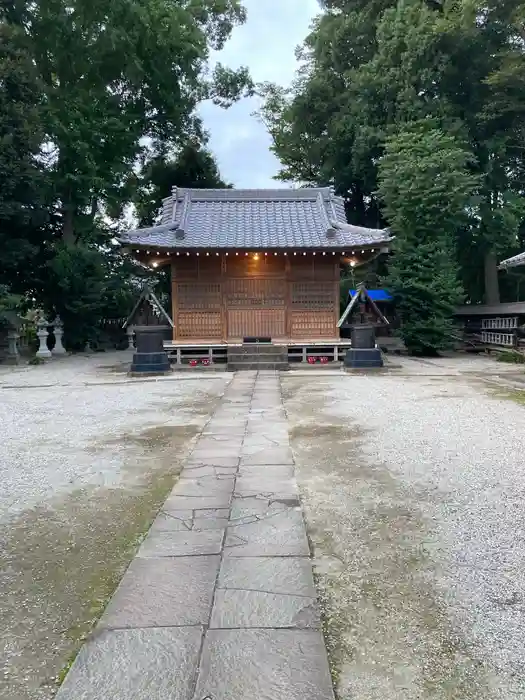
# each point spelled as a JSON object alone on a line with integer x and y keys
{"x": 150, "y": 356}
{"x": 364, "y": 353}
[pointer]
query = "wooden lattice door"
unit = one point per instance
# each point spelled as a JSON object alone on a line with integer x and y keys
{"x": 256, "y": 308}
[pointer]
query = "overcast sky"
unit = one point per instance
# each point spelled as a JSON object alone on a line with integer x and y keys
{"x": 266, "y": 44}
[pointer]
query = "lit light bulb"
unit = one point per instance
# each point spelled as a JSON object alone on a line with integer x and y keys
{"x": 155, "y": 264}
{"x": 256, "y": 256}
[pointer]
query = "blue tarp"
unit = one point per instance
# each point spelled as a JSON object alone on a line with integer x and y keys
{"x": 375, "y": 294}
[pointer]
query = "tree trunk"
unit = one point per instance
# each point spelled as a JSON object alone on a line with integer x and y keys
{"x": 491, "y": 279}
{"x": 68, "y": 230}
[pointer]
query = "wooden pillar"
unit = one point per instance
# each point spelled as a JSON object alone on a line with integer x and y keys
{"x": 337, "y": 296}
{"x": 174, "y": 302}
{"x": 288, "y": 299}
{"x": 224, "y": 309}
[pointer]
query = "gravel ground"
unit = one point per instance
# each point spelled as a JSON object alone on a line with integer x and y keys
{"x": 414, "y": 485}
{"x": 88, "y": 457}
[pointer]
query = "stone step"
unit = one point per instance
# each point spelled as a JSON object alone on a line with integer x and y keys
{"x": 245, "y": 366}
{"x": 259, "y": 357}
{"x": 257, "y": 349}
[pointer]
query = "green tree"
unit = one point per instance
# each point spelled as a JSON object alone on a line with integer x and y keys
{"x": 21, "y": 177}
{"x": 427, "y": 191}
{"x": 119, "y": 77}
{"x": 89, "y": 89}
{"x": 368, "y": 67}
{"x": 193, "y": 166}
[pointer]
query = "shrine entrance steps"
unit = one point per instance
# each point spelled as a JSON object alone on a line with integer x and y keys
{"x": 258, "y": 356}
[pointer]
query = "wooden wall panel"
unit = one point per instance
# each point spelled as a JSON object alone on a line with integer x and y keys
{"x": 231, "y": 297}
{"x": 260, "y": 322}
{"x": 310, "y": 296}
{"x": 248, "y": 266}
{"x": 196, "y": 267}
{"x": 319, "y": 267}
{"x": 199, "y": 296}
{"x": 312, "y": 325}
{"x": 199, "y": 325}
{"x": 255, "y": 293}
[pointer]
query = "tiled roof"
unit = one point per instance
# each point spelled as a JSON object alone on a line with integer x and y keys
{"x": 516, "y": 261}
{"x": 514, "y": 307}
{"x": 254, "y": 220}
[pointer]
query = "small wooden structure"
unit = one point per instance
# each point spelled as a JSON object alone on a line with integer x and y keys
{"x": 498, "y": 326}
{"x": 362, "y": 309}
{"x": 254, "y": 263}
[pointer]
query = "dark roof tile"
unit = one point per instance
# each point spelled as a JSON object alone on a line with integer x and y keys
{"x": 254, "y": 219}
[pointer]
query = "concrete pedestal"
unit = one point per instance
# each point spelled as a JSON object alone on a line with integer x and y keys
{"x": 150, "y": 357}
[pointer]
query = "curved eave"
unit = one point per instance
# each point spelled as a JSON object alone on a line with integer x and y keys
{"x": 516, "y": 261}
{"x": 342, "y": 248}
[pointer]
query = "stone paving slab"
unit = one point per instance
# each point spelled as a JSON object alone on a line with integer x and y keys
{"x": 204, "y": 486}
{"x": 214, "y": 461}
{"x": 176, "y": 503}
{"x": 264, "y": 456}
{"x": 219, "y": 603}
{"x": 181, "y": 544}
{"x": 154, "y": 593}
{"x": 258, "y": 609}
{"x": 264, "y": 664}
{"x": 166, "y": 522}
{"x": 285, "y": 575}
{"x": 253, "y": 485}
{"x": 195, "y": 472}
{"x": 278, "y": 471}
{"x": 250, "y": 509}
{"x": 138, "y": 664}
{"x": 280, "y": 535}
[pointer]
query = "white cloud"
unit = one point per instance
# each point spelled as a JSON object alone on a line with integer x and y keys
{"x": 266, "y": 44}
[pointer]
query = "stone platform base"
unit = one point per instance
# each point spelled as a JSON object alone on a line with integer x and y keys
{"x": 148, "y": 363}
{"x": 364, "y": 359}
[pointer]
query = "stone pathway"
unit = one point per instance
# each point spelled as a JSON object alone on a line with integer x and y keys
{"x": 219, "y": 603}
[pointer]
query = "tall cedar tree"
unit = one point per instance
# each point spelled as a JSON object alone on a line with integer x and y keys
{"x": 21, "y": 222}
{"x": 427, "y": 190}
{"x": 371, "y": 65}
{"x": 121, "y": 77}
{"x": 100, "y": 86}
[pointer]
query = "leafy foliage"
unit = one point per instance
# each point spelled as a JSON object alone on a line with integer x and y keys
{"x": 89, "y": 91}
{"x": 194, "y": 166}
{"x": 427, "y": 190}
{"x": 20, "y": 172}
{"x": 370, "y": 66}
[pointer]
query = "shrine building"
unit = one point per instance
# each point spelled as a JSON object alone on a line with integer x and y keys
{"x": 258, "y": 264}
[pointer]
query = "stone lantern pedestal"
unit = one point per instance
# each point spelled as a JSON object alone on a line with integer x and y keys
{"x": 59, "y": 349}
{"x": 13, "y": 354}
{"x": 43, "y": 351}
{"x": 150, "y": 356}
{"x": 363, "y": 354}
